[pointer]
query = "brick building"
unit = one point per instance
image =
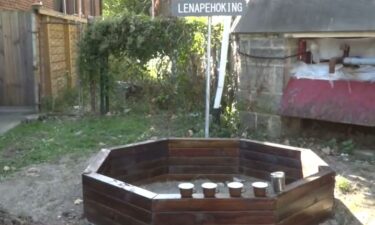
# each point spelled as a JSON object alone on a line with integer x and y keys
{"x": 85, "y": 8}
{"x": 38, "y": 49}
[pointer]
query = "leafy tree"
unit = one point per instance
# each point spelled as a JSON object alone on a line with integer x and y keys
{"x": 117, "y": 7}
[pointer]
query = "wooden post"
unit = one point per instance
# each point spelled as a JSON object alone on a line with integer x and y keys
{"x": 68, "y": 57}
{"x": 47, "y": 84}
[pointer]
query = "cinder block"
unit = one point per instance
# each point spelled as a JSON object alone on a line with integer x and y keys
{"x": 248, "y": 120}
{"x": 274, "y": 126}
{"x": 267, "y": 52}
{"x": 260, "y": 43}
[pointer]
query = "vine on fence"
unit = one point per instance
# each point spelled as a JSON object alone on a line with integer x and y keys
{"x": 135, "y": 37}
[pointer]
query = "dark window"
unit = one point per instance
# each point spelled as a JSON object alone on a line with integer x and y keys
{"x": 92, "y": 7}
{"x": 58, "y": 5}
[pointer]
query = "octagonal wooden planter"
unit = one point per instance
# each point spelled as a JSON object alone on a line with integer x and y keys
{"x": 112, "y": 197}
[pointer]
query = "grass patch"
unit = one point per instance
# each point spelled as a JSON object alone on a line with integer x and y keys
{"x": 55, "y": 137}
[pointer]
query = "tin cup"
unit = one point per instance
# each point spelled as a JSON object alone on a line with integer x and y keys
{"x": 186, "y": 190}
{"x": 235, "y": 189}
{"x": 209, "y": 189}
{"x": 278, "y": 181}
{"x": 260, "y": 189}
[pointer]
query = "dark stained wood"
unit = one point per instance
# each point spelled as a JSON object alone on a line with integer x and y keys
{"x": 311, "y": 215}
{"x": 203, "y": 143}
{"x": 103, "y": 215}
{"x": 322, "y": 193}
{"x": 271, "y": 148}
{"x": 137, "y": 175}
{"x": 203, "y": 169}
{"x": 143, "y": 150}
{"x": 203, "y": 152}
{"x": 261, "y": 174}
{"x": 108, "y": 201}
{"x": 109, "y": 186}
{"x": 97, "y": 161}
{"x": 269, "y": 167}
{"x": 202, "y": 217}
{"x": 274, "y": 159}
{"x": 124, "y": 169}
{"x": 302, "y": 187}
{"x": 119, "y": 205}
{"x": 203, "y": 161}
{"x": 169, "y": 203}
{"x": 185, "y": 177}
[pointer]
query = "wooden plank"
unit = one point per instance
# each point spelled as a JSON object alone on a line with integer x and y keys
{"x": 203, "y": 152}
{"x": 321, "y": 193}
{"x": 52, "y": 13}
{"x": 159, "y": 148}
{"x": 268, "y": 167}
{"x": 186, "y": 177}
{"x": 199, "y": 203}
{"x": 2, "y": 62}
{"x": 18, "y": 89}
{"x": 118, "y": 168}
{"x": 273, "y": 159}
{"x": 138, "y": 175}
{"x": 201, "y": 161}
{"x": 96, "y": 163}
{"x": 201, "y": 217}
{"x": 103, "y": 215}
{"x": 46, "y": 82}
{"x": 9, "y": 99}
{"x": 67, "y": 54}
{"x": 118, "y": 189}
{"x": 300, "y": 188}
{"x": 271, "y": 148}
{"x": 121, "y": 206}
{"x": 261, "y": 174}
{"x": 195, "y": 169}
{"x": 311, "y": 215}
{"x": 203, "y": 143}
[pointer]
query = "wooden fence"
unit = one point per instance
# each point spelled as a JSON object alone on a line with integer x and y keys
{"x": 58, "y": 38}
{"x": 38, "y": 53}
{"x": 16, "y": 60}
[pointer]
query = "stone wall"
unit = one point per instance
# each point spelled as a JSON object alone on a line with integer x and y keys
{"x": 261, "y": 80}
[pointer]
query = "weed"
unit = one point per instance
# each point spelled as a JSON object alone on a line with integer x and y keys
{"x": 344, "y": 185}
{"x": 347, "y": 146}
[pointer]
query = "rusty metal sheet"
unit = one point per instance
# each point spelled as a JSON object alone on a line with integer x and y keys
{"x": 350, "y": 102}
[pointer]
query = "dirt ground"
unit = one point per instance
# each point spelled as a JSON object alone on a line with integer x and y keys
{"x": 50, "y": 194}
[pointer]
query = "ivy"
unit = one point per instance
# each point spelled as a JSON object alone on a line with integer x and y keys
{"x": 136, "y": 37}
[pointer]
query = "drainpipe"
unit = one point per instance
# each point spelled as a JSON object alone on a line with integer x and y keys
{"x": 64, "y": 6}
{"x": 359, "y": 61}
{"x": 35, "y": 52}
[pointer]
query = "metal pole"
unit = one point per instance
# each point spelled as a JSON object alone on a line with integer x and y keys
{"x": 208, "y": 80}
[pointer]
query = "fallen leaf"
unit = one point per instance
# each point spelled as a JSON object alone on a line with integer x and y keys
{"x": 78, "y": 201}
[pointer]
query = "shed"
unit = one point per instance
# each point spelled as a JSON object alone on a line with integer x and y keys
{"x": 284, "y": 52}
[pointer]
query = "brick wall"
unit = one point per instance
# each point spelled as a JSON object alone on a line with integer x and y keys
{"x": 261, "y": 81}
{"x": 89, "y": 7}
{"x": 23, "y": 5}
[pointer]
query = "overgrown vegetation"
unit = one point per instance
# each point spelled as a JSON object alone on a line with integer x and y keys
{"x": 132, "y": 41}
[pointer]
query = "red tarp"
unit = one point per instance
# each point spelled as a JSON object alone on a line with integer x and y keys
{"x": 350, "y": 102}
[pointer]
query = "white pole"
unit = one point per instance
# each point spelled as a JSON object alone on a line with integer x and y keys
{"x": 208, "y": 80}
{"x": 223, "y": 61}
